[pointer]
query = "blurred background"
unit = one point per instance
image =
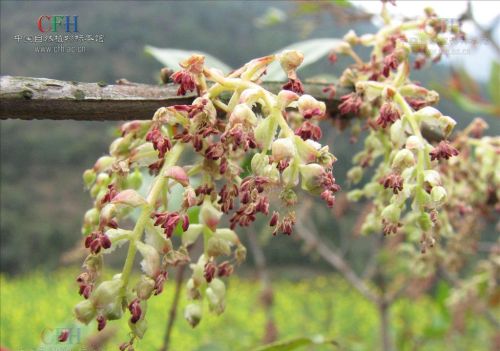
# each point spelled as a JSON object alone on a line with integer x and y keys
{"x": 42, "y": 196}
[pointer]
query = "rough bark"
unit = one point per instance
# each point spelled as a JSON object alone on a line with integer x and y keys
{"x": 42, "y": 98}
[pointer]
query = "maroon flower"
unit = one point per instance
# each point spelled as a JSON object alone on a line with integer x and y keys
{"x": 214, "y": 151}
{"x": 391, "y": 42}
{"x": 282, "y": 165}
{"x": 309, "y": 131}
{"x": 274, "y": 219}
{"x": 294, "y": 85}
{"x": 101, "y": 323}
{"x": 160, "y": 280}
{"x": 252, "y": 201}
{"x": 135, "y": 310}
{"x": 329, "y": 186}
{"x": 227, "y": 195}
{"x": 286, "y": 225}
{"x": 328, "y": 197}
{"x": 350, "y": 103}
{"x": 168, "y": 221}
{"x": 390, "y": 227}
{"x": 112, "y": 192}
{"x": 419, "y": 62}
{"x": 209, "y": 271}
{"x": 238, "y": 136}
{"x": 225, "y": 269}
{"x": 389, "y": 114}
{"x": 443, "y": 150}
{"x": 391, "y": 62}
{"x": 160, "y": 143}
{"x": 85, "y": 285}
{"x": 393, "y": 181}
{"x": 97, "y": 240}
{"x": 186, "y": 81}
{"x": 155, "y": 167}
{"x": 416, "y": 104}
{"x": 185, "y": 222}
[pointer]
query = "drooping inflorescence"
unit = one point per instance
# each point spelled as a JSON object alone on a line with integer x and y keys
{"x": 197, "y": 156}
{"x": 406, "y": 186}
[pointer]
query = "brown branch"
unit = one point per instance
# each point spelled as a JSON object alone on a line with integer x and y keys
{"x": 42, "y": 98}
{"x": 173, "y": 308}
{"x": 335, "y": 259}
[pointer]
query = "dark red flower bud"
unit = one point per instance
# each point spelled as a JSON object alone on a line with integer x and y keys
{"x": 225, "y": 269}
{"x": 209, "y": 272}
{"x": 262, "y": 205}
{"x": 85, "y": 290}
{"x": 112, "y": 192}
{"x": 185, "y": 222}
{"x": 105, "y": 242}
{"x": 160, "y": 142}
{"x": 419, "y": 62}
{"x": 160, "y": 282}
{"x": 135, "y": 310}
{"x": 328, "y": 197}
{"x": 274, "y": 219}
{"x": 391, "y": 61}
{"x": 168, "y": 221}
{"x": 245, "y": 197}
{"x": 101, "y": 323}
{"x": 112, "y": 223}
{"x": 416, "y": 104}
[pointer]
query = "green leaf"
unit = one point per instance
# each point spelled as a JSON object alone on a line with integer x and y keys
{"x": 472, "y": 106}
{"x": 494, "y": 83}
{"x": 295, "y": 343}
{"x": 313, "y": 50}
{"x": 172, "y": 57}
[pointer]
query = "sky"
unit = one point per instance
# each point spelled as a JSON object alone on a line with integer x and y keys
{"x": 475, "y": 59}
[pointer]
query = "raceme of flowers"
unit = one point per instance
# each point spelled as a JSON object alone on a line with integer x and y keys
{"x": 406, "y": 186}
{"x": 198, "y": 155}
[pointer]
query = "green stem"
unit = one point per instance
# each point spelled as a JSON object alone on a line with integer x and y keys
{"x": 159, "y": 183}
{"x": 410, "y": 117}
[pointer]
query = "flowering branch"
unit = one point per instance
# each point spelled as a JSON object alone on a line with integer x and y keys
{"x": 276, "y": 134}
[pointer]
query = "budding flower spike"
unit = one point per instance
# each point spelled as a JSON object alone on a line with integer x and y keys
{"x": 277, "y": 133}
